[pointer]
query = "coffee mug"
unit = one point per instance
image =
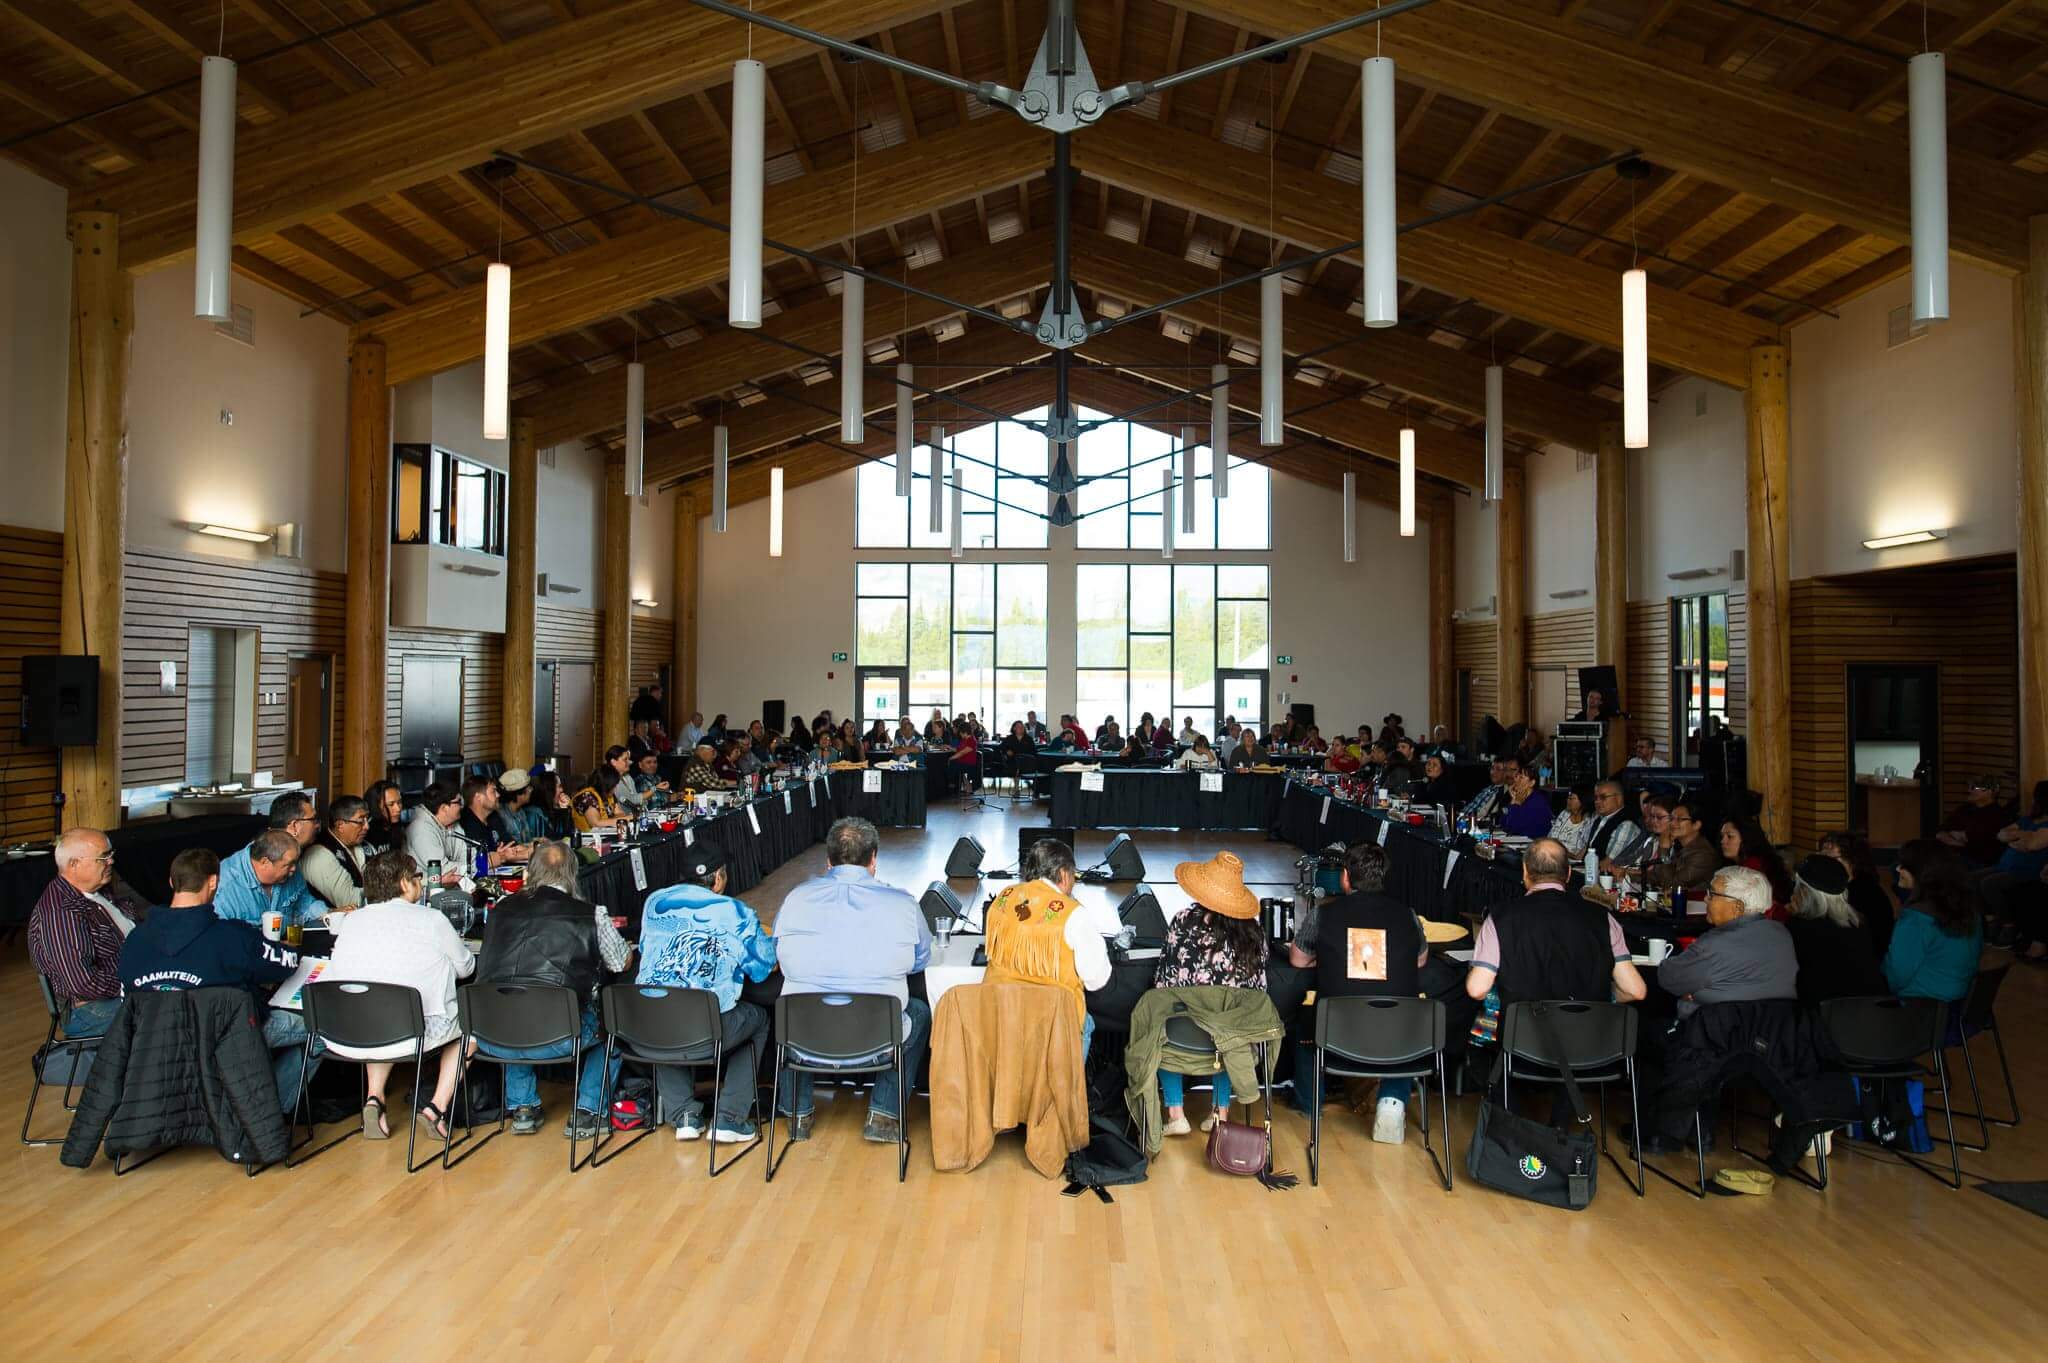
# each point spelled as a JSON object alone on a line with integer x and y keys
{"x": 1606, "y": 882}
{"x": 1659, "y": 949}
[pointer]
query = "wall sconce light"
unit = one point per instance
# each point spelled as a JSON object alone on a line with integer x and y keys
{"x": 644, "y": 603}
{"x": 472, "y": 570}
{"x": 229, "y": 532}
{"x": 1908, "y": 537}
{"x": 1694, "y": 574}
{"x": 1571, "y": 595}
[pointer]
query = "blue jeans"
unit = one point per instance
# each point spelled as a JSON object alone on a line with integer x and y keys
{"x": 91, "y": 1017}
{"x": 285, "y": 1033}
{"x": 523, "y": 1090}
{"x": 1087, "y": 1034}
{"x": 1173, "y": 1089}
{"x": 794, "y": 1093}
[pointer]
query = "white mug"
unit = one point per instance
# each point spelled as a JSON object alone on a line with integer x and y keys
{"x": 1659, "y": 949}
{"x": 1606, "y": 882}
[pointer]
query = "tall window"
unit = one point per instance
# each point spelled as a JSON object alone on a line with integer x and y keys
{"x": 438, "y": 497}
{"x": 1699, "y": 670}
{"x": 1120, "y": 503}
{"x": 1153, "y": 637}
{"x": 1001, "y": 507}
{"x": 971, "y": 634}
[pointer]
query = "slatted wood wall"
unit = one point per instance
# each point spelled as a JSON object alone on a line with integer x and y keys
{"x": 1962, "y": 621}
{"x": 1649, "y": 673}
{"x": 1474, "y": 645}
{"x": 31, "y": 576}
{"x": 653, "y": 645}
{"x": 293, "y": 610}
{"x": 483, "y": 684}
{"x": 1563, "y": 639}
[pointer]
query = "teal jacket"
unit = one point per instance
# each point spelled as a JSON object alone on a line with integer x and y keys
{"x": 1236, "y": 1019}
{"x": 1924, "y": 962}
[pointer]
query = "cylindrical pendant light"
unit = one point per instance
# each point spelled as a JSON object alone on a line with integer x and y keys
{"x": 636, "y": 428}
{"x": 1350, "y": 516}
{"x": 721, "y": 501}
{"x": 213, "y": 261}
{"x": 1219, "y": 431}
{"x": 1635, "y": 360}
{"x": 956, "y": 543}
{"x": 853, "y": 316}
{"x": 1188, "y": 436}
{"x": 1408, "y": 482}
{"x": 749, "y": 144}
{"x": 1927, "y": 114}
{"x": 906, "y": 430}
{"x": 775, "y": 512}
{"x": 497, "y": 346}
{"x": 1271, "y": 356}
{"x": 1496, "y": 442}
{"x": 1382, "y": 296}
{"x": 1166, "y": 512}
{"x": 938, "y": 479}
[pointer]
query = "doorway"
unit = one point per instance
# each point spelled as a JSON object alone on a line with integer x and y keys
{"x": 1894, "y": 757}
{"x": 881, "y": 693}
{"x": 544, "y": 711}
{"x": 308, "y": 719}
{"x": 576, "y": 715}
{"x": 1547, "y": 697}
{"x": 1241, "y": 696}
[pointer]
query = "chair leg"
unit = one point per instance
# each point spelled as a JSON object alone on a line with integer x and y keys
{"x": 1954, "y": 1177}
{"x": 412, "y": 1125}
{"x": 1315, "y": 1123}
{"x": 469, "y": 1138}
{"x": 305, "y": 1102}
{"x": 717, "y": 1094}
{"x": 774, "y": 1108}
{"x": 71, "y": 1051}
{"x": 576, "y": 1090}
{"x": 902, "y": 1116}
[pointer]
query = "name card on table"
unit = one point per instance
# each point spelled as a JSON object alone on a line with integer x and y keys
{"x": 639, "y": 869}
{"x": 1384, "y": 826}
{"x": 689, "y": 837}
{"x": 754, "y": 820}
{"x": 1324, "y": 817}
{"x": 871, "y": 783}
{"x": 785, "y": 802}
{"x": 1212, "y": 783}
{"x": 1450, "y": 865}
{"x": 813, "y": 785}
{"x": 1091, "y": 780}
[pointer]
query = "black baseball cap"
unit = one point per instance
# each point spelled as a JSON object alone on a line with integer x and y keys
{"x": 704, "y": 861}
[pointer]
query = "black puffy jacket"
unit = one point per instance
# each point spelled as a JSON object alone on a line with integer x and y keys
{"x": 1780, "y": 1045}
{"x": 181, "y": 1067}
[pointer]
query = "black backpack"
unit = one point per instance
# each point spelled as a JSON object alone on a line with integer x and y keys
{"x": 1112, "y": 1155}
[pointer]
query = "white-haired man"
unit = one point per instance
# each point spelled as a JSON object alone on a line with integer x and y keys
{"x": 1744, "y": 955}
{"x": 76, "y": 930}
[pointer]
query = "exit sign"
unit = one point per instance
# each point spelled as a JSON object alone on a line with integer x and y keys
{"x": 1286, "y": 660}
{"x": 839, "y": 657}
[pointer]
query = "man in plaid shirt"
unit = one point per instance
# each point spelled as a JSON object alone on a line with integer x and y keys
{"x": 75, "y": 933}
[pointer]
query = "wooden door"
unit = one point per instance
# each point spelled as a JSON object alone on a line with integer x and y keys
{"x": 307, "y": 720}
{"x": 576, "y": 716}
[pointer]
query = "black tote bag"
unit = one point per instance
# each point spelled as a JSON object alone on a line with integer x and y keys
{"x": 1534, "y": 1160}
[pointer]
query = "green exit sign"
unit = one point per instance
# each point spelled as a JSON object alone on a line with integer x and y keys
{"x": 839, "y": 657}
{"x": 1286, "y": 660}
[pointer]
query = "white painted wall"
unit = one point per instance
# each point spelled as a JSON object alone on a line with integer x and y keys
{"x": 283, "y": 459}
{"x": 1921, "y": 437}
{"x": 447, "y": 409}
{"x": 1358, "y": 633}
{"x": 1562, "y": 505}
{"x": 1687, "y": 503}
{"x": 570, "y": 521}
{"x": 654, "y": 537}
{"x": 35, "y": 337}
{"x": 1477, "y": 554}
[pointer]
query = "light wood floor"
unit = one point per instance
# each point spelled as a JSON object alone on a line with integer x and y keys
{"x": 510, "y": 1257}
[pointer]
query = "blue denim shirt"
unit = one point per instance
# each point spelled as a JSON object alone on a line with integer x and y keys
{"x": 242, "y": 898}
{"x": 693, "y": 939}
{"x": 848, "y": 933}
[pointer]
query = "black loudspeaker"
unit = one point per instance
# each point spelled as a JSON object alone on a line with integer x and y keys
{"x": 1027, "y": 836}
{"x": 60, "y": 700}
{"x": 940, "y": 903}
{"x": 1140, "y": 910}
{"x": 1123, "y": 860}
{"x": 965, "y": 860}
{"x": 1724, "y": 757}
{"x": 1302, "y": 715}
{"x": 1603, "y": 680}
{"x": 774, "y": 713}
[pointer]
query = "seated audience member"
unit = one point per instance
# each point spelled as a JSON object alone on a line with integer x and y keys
{"x": 1528, "y": 812}
{"x": 544, "y": 813}
{"x": 1247, "y": 753}
{"x": 716, "y": 730}
{"x": 1140, "y": 736}
{"x": 936, "y": 730}
{"x": 646, "y": 784}
{"x": 2020, "y": 865}
{"x": 1939, "y": 933}
{"x": 1609, "y": 830}
{"x": 1574, "y": 823}
{"x": 1867, "y": 895}
{"x": 76, "y": 930}
{"x": 1834, "y": 951}
{"x": 187, "y": 945}
{"x": 698, "y": 773}
{"x": 515, "y": 792}
{"x": 1643, "y": 753}
{"x": 1551, "y": 944}
{"x": 264, "y": 878}
{"x": 1743, "y": 842}
{"x": 1368, "y": 943}
{"x": 663, "y": 744}
{"x": 1188, "y": 732}
{"x": 597, "y": 805}
{"x": 1035, "y": 727}
{"x": 333, "y": 865}
{"x": 1435, "y": 787}
{"x": 392, "y": 940}
{"x": 1312, "y": 740}
{"x": 828, "y": 753}
{"x": 1039, "y": 933}
{"x": 427, "y": 835}
{"x": 877, "y": 741}
{"x": 726, "y": 766}
{"x": 1018, "y": 745}
{"x": 387, "y": 818}
{"x": 478, "y": 829}
{"x": 546, "y": 935}
{"x": 846, "y": 932}
{"x": 1656, "y": 842}
{"x": 1744, "y": 955}
{"x": 1972, "y": 827}
{"x": 758, "y": 738}
{"x": 1440, "y": 741}
{"x": 696, "y": 936}
{"x": 1490, "y": 802}
{"x": 965, "y": 763}
{"x": 1216, "y": 940}
{"x": 1341, "y": 759}
{"x": 906, "y": 736}
{"x": 1200, "y": 757}
{"x": 1136, "y": 748}
{"x": 692, "y": 730}
{"x": 1693, "y": 857}
{"x": 639, "y": 739}
{"x": 1390, "y": 729}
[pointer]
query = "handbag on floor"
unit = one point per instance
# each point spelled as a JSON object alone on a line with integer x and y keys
{"x": 1530, "y": 1159}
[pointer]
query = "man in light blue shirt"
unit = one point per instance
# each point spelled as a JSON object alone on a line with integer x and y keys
{"x": 264, "y": 878}
{"x": 848, "y": 933}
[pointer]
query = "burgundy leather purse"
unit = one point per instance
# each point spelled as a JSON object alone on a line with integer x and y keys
{"x": 1240, "y": 1149}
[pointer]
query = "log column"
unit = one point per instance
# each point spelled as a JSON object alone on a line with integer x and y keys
{"x": 1610, "y": 566}
{"x": 96, "y": 504}
{"x": 683, "y": 584}
{"x": 1443, "y": 587}
{"x": 368, "y": 609}
{"x": 617, "y": 691}
{"x": 1770, "y": 590}
{"x": 1511, "y": 573}
{"x": 515, "y": 742}
{"x": 2030, "y": 318}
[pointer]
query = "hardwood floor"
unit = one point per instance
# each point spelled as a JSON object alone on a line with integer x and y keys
{"x": 511, "y": 1257}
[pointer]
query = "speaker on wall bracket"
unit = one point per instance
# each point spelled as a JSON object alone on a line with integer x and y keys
{"x": 60, "y": 700}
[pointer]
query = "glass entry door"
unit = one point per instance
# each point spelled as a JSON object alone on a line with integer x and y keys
{"x": 1241, "y": 696}
{"x": 881, "y": 693}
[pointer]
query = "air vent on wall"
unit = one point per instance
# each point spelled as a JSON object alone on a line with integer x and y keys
{"x": 1901, "y": 328}
{"x": 241, "y": 327}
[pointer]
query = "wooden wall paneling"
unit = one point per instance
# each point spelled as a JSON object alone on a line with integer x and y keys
{"x": 31, "y": 572}
{"x": 483, "y": 685}
{"x": 1649, "y": 666}
{"x": 1474, "y": 647}
{"x": 1564, "y": 639}
{"x": 653, "y": 648}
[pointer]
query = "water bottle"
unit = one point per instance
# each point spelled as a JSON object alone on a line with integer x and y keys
{"x": 1592, "y": 866}
{"x": 483, "y": 863}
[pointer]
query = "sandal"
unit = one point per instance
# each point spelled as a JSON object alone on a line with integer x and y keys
{"x": 436, "y": 1120}
{"x": 375, "y": 1128}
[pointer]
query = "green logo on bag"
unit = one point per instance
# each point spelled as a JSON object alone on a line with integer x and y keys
{"x": 1532, "y": 1167}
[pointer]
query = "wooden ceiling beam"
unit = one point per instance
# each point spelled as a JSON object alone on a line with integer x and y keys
{"x": 1745, "y": 236}
{"x": 284, "y": 25}
{"x": 474, "y": 17}
{"x": 1174, "y": 45}
{"x": 1954, "y": 37}
{"x": 1883, "y": 270}
{"x": 302, "y": 237}
{"x": 292, "y": 285}
{"x": 47, "y": 104}
{"x": 1455, "y": 257}
{"x": 525, "y": 93}
{"x": 400, "y": 243}
{"x": 61, "y": 27}
{"x": 189, "y": 43}
{"x": 1792, "y": 264}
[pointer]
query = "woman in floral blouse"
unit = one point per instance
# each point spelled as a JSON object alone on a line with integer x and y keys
{"x": 1216, "y": 940}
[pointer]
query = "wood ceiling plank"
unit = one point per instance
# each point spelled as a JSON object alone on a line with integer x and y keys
{"x": 285, "y": 25}
{"x": 270, "y": 273}
{"x": 1823, "y": 247}
{"x": 302, "y": 237}
{"x": 187, "y": 42}
{"x": 48, "y": 104}
{"x": 63, "y": 29}
{"x": 1883, "y": 270}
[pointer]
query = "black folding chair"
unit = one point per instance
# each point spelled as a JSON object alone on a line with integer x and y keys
{"x": 839, "y": 1035}
{"x": 365, "y": 1016}
{"x": 72, "y": 1049}
{"x": 661, "y": 1026}
{"x": 1183, "y": 1033}
{"x": 1883, "y": 1039}
{"x": 1598, "y": 1040}
{"x": 1972, "y": 1018}
{"x": 519, "y": 1017}
{"x": 1364, "y": 1037}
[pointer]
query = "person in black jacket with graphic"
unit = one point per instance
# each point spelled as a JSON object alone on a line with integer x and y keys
{"x": 186, "y": 946}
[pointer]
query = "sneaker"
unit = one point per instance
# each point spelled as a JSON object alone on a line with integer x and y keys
{"x": 1390, "y": 1122}
{"x": 881, "y": 1129}
{"x": 1176, "y": 1126}
{"x": 799, "y": 1126}
{"x": 526, "y": 1120}
{"x": 1209, "y": 1122}
{"x": 689, "y": 1129}
{"x": 583, "y": 1125}
{"x": 734, "y": 1135}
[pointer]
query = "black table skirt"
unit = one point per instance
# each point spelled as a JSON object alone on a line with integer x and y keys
{"x": 142, "y": 858}
{"x": 1166, "y": 799}
{"x": 1416, "y": 860}
{"x": 901, "y": 804}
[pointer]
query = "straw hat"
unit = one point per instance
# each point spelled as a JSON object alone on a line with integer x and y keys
{"x": 1218, "y": 885}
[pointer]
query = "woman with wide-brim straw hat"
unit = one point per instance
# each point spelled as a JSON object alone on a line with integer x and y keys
{"x": 1216, "y": 940}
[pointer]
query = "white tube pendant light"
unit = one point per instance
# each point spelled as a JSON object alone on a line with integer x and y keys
{"x": 1927, "y": 114}
{"x": 906, "y": 431}
{"x": 1496, "y": 433}
{"x": 636, "y": 429}
{"x": 749, "y": 142}
{"x": 1188, "y": 436}
{"x": 956, "y": 543}
{"x": 497, "y": 346}
{"x": 1382, "y": 296}
{"x": 1635, "y": 360}
{"x": 1408, "y": 482}
{"x": 1219, "y": 431}
{"x": 853, "y": 316}
{"x": 213, "y": 260}
{"x": 1271, "y": 357}
{"x": 1166, "y": 512}
{"x": 721, "y": 502}
{"x": 775, "y": 512}
{"x": 938, "y": 479}
{"x": 1350, "y": 516}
